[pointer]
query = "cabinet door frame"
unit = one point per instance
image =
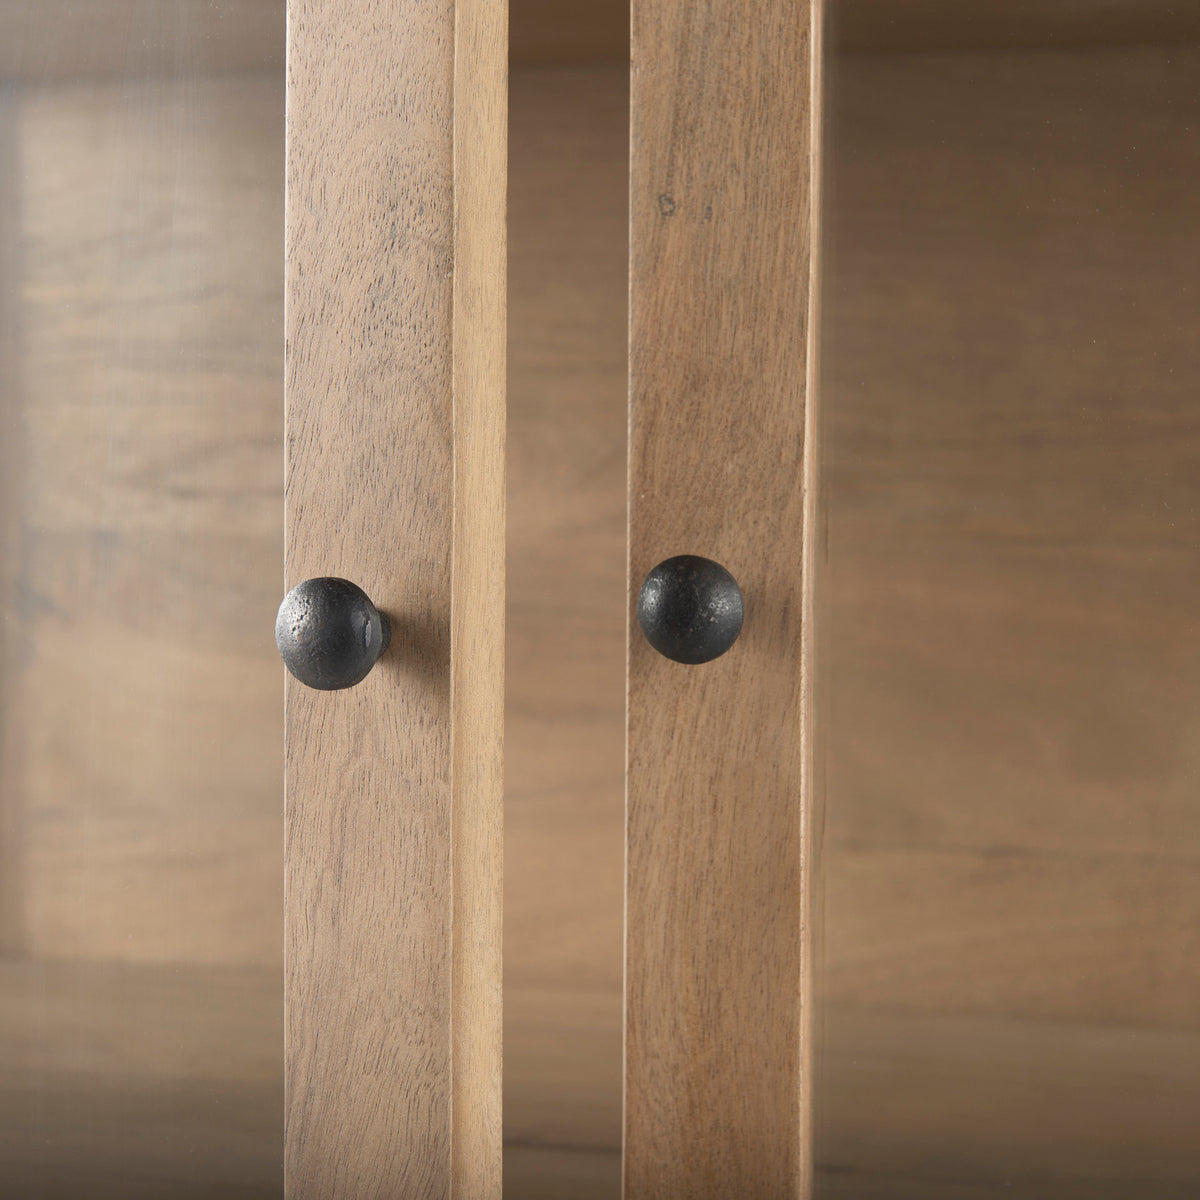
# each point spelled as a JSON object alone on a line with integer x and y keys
{"x": 725, "y": 114}
{"x": 395, "y": 363}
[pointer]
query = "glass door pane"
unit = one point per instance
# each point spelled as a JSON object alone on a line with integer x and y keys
{"x": 141, "y": 283}
{"x": 1011, "y": 689}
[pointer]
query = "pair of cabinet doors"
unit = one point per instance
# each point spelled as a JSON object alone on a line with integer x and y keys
{"x": 397, "y": 158}
{"x": 144, "y": 150}
{"x": 1003, "y": 674}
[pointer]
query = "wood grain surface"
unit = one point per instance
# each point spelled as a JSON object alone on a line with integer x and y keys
{"x": 477, "y": 592}
{"x": 395, "y": 386}
{"x": 719, "y": 793}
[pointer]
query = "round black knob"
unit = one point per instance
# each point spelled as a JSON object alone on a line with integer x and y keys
{"x": 329, "y": 633}
{"x": 690, "y": 609}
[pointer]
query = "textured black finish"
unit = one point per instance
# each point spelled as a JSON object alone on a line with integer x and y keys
{"x": 690, "y": 609}
{"x": 329, "y": 633}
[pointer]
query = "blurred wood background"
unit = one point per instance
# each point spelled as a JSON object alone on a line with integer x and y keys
{"x": 140, "y": 982}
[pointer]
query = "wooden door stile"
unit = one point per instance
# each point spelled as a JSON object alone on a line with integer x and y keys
{"x": 725, "y": 99}
{"x": 396, "y": 172}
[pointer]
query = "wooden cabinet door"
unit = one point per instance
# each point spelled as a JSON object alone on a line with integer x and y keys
{"x": 395, "y": 443}
{"x": 1009, "y": 1003}
{"x": 723, "y": 197}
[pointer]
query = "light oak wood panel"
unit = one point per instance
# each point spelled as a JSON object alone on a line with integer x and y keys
{"x": 395, "y": 386}
{"x": 134, "y": 1082}
{"x": 723, "y": 195}
{"x": 477, "y": 591}
{"x": 141, "y": 506}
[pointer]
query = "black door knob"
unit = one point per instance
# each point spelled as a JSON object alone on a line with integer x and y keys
{"x": 329, "y": 633}
{"x": 690, "y": 609}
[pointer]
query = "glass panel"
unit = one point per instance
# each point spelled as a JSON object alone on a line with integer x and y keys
{"x": 1011, "y": 995}
{"x": 141, "y": 284}
{"x": 565, "y": 635}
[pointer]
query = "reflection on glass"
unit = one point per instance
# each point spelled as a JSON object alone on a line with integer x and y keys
{"x": 1011, "y": 995}
{"x": 141, "y": 189}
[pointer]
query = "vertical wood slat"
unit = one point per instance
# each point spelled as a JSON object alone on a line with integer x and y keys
{"x": 724, "y": 178}
{"x": 395, "y": 322}
{"x": 477, "y": 627}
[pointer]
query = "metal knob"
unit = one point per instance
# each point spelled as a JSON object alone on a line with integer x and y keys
{"x": 329, "y": 633}
{"x": 690, "y": 609}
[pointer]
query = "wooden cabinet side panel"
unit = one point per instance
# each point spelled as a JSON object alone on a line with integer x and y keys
{"x": 395, "y": 480}
{"x": 718, "y": 962}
